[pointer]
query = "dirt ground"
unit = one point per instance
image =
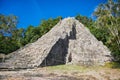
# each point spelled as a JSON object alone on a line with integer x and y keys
{"x": 48, "y": 73}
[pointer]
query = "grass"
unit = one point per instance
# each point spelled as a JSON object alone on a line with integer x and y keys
{"x": 70, "y": 68}
{"x": 113, "y": 65}
{"x": 78, "y": 68}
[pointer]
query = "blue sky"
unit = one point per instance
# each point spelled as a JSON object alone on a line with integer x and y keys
{"x": 31, "y": 12}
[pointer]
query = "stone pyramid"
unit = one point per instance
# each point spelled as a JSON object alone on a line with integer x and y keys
{"x": 67, "y": 42}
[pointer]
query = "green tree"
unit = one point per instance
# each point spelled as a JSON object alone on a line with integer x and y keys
{"x": 108, "y": 18}
{"x": 7, "y": 24}
{"x": 88, "y": 22}
{"x": 33, "y": 33}
{"x": 46, "y": 25}
{"x": 10, "y": 36}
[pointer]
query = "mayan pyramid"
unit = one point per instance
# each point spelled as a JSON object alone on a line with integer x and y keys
{"x": 67, "y": 42}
